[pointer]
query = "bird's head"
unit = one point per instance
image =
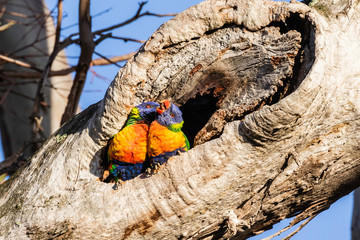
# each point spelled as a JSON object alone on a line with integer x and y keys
{"x": 169, "y": 115}
{"x": 145, "y": 111}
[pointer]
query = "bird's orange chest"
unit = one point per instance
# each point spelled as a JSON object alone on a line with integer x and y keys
{"x": 130, "y": 144}
{"x": 161, "y": 139}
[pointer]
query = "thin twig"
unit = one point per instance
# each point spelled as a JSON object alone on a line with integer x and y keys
{"x": 29, "y": 31}
{"x": 30, "y": 44}
{"x": 299, "y": 228}
{"x": 22, "y": 95}
{"x": 102, "y": 38}
{"x": 58, "y": 23}
{"x": 18, "y": 62}
{"x": 28, "y": 74}
{"x": 101, "y": 61}
{"x": 294, "y": 222}
{"x": 39, "y": 97}
{"x": 135, "y": 17}
{"x": 278, "y": 233}
{"x": 95, "y": 74}
{"x": 17, "y": 14}
{"x": 24, "y": 7}
{"x": 131, "y": 20}
{"x": 8, "y": 90}
{"x": 10, "y": 82}
{"x": 3, "y": 9}
{"x": 102, "y": 12}
{"x": 68, "y": 41}
{"x": 62, "y": 72}
{"x": 7, "y": 25}
{"x": 128, "y": 39}
{"x": 107, "y": 59}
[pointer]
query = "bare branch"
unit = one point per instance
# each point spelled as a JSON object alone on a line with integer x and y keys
{"x": 7, "y": 25}
{"x": 135, "y": 17}
{"x": 8, "y": 90}
{"x": 28, "y": 75}
{"x": 39, "y": 97}
{"x": 21, "y": 95}
{"x": 18, "y": 62}
{"x": 95, "y": 74}
{"x": 2, "y": 11}
{"x": 127, "y": 39}
{"x": 299, "y": 228}
{"x": 102, "y": 12}
{"x": 58, "y": 24}
{"x": 141, "y": 5}
{"x": 106, "y": 61}
{"x": 62, "y": 72}
{"x": 102, "y": 38}
{"x": 87, "y": 47}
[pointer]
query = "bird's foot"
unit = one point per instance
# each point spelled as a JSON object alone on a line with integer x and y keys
{"x": 153, "y": 169}
{"x": 117, "y": 184}
{"x": 148, "y": 171}
{"x": 157, "y": 167}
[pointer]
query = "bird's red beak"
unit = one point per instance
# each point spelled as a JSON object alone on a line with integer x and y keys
{"x": 163, "y": 106}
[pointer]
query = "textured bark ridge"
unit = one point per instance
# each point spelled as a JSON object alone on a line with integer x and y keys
{"x": 236, "y": 72}
{"x": 270, "y": 93}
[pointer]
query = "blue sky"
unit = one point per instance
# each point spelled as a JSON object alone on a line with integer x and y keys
{"x": 333, "y": 224}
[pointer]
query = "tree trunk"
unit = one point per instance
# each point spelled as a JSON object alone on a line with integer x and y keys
{"x": 270, "y": 94}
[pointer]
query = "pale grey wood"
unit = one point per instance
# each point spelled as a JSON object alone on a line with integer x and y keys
{"x": 295, "y": 156}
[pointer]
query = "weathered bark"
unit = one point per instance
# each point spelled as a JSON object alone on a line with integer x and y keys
{"x": 30, "y": 38}
{"x": 280, "y": 136}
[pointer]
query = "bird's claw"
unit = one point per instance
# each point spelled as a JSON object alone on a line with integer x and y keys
{"x": 157, "y": 167}
{"x": 117, "y": 184}
{"x": 153, "y": 169}
{"x": 148, "y": 171}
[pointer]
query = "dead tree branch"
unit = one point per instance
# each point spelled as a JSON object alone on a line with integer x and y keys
{"x": 19, "y": 63}
{"x": 39, "y": 97}
{"x": 137, "y": 15}
{"x": 105, "y": 61}
{"x": 87, "y": 47}
{"x": 95, "y": 62}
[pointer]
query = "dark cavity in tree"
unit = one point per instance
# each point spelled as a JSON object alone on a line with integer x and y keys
{"x": 305, "y": 57}
{"x": 196, "y": 113}
{"x": 206, "y": 111}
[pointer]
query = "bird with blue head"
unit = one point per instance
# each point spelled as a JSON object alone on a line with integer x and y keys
{"x": 127, "y": 150}
{"x": 165, "y": 137}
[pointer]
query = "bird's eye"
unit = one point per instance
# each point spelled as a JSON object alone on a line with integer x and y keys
{"x": 148, "y": 106}
{"x": 172, "y": 115}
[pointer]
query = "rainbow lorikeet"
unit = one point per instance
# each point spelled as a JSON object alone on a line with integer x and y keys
{"x": 165, "y": 136}
{"x": 127, "y": 149}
